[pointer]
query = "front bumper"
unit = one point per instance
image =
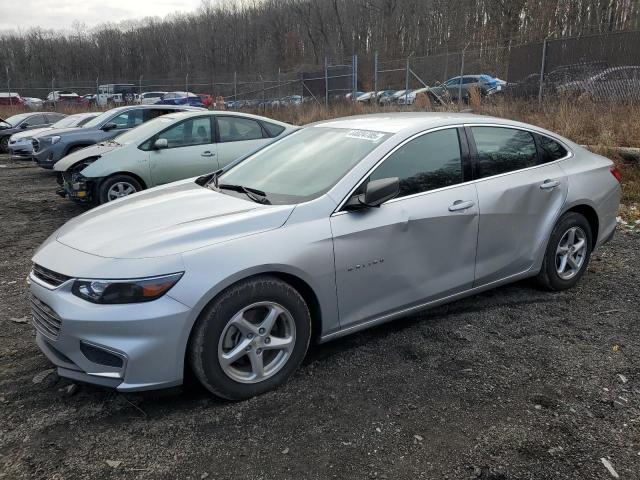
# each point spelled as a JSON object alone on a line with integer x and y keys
{"x": 48, "y": 156}
{"x": 76, "y": 188}
{"x": 129, "y": 347}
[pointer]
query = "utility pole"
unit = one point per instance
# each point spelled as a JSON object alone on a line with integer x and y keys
{"x": 406, "y": 82}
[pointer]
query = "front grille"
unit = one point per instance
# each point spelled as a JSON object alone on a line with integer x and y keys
{"x": 49, "y": 276}
{"x": 35, "y": 144}
{"x": 44, "y": 318}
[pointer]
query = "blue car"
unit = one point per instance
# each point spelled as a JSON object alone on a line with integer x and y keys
{"x": 180, "y": 98}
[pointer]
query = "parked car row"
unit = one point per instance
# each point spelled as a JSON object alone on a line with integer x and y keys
{"x": 308, "y": 235}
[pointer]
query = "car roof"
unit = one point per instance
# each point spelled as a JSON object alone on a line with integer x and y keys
{"x": 156, "y": 107}
{"x": 181, "y": 115}
{"x": 409, "y": 121}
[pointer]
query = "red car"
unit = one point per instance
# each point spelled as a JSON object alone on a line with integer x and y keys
{"x": 206, "y": 99}
{"x": 11, "y": 99}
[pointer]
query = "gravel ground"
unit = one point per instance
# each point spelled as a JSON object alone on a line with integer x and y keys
{"x": 511, "y": 384}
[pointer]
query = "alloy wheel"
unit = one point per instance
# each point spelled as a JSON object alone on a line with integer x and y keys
{"x": 120, "y": 189}
{"x": 257, "y": 342}
{"x": 571, "y": 253}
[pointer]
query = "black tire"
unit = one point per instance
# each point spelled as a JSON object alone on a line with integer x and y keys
{"x": 105, "y": 186}
{"x": 4, "y": 144}
{"x": 548, "y": 277}
{"x": 205, "y": 337}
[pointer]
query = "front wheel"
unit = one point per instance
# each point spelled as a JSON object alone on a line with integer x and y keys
{"x": 4, "y": 144}
{"x": 250, "y": 339}
{"x": 567, "y": 254}
{"x": 117, "y": 187}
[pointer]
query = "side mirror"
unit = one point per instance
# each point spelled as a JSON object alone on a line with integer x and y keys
{"x": 376, "y": 193}
{"x": 109, "y": 126}
{"x": 24, "y": 125}
{"x": 161, "y": 143}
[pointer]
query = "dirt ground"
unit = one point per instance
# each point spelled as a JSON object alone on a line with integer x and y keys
{"x": 515, "y": 383}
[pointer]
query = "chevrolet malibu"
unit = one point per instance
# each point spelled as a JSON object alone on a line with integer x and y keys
{"x": 339, "y": 226}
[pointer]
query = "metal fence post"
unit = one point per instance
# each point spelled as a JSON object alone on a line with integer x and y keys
{"x": 9, "y": 86}
{"x": 326, "y": 82}
{"x": 406, "y": 82}
{"x": 375, "y": 75}
{"x": 186, "y": 83}
{"x": 235, "y": 85}
{"x": 542, "y": 67}
{"x": 53, "y": 79}
{"x": 140, "y": 87}
{"x": 461, "y": 75}
{"x": 354, "y": 75}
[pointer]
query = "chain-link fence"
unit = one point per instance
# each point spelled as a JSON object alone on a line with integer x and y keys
{"x": 605, "y": 67}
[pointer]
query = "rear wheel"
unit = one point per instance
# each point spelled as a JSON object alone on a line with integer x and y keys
{"x": 567, "y": 254}
{"x": 250, "y": 339}
{"x": 117, "y": 187}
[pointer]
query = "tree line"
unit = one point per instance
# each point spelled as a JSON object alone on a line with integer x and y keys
{"x": 262, "y": 36}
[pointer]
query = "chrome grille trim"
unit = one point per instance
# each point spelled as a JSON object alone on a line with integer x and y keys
{"x": 49, "y": 276}
{"x": 44, "y": 318}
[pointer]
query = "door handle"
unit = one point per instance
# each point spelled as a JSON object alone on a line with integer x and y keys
{"x": 460, "y": 205}
{"x": 549, "y": 184}
{"x": 208, "y": 154}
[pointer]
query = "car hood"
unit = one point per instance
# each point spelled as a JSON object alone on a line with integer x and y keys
{"x": 168, "y": 220}
{"x": 61, "y": 131}
{"x": 29, "y": 133}
{"x": 97, "y": 150}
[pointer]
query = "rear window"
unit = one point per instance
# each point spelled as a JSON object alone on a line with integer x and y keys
{"x": 272, "y": 129}
{"x": 502, "y": 150}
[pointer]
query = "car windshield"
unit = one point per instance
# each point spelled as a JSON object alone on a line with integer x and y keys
{"x": 144, "y": 131}
{"x": 70, "y": 121}
{"x": 16, "y": 119}
{"x": 100, "y": 119}
{"x": 305, "y": 164}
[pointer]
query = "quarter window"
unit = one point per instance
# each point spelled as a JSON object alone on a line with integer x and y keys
{"x": 550, "y": 150}
{"x": 272, "y": 129}
{"x": 236, "y": 129}
{"x": 428, "y": 162}
{"x": 502, "y": 150}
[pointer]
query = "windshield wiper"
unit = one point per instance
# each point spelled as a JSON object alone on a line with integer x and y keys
{"x": 257, "y": 196}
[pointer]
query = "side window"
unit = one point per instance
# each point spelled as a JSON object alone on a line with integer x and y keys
{"x": 468, "y": 80}
{"x": 236, "y": 129}
{"x": 502, "y": 150}
{"x": 550, "y": 150}
{"x": 272, "y": 129}
{"x": 129, "y": 119}
{"x": 151, "y": 113}
{"x": 34, "y": 120}
{"x": 196, "y": 131}
{"x": 453, "y": 81}
{"x": 428, "y": 162}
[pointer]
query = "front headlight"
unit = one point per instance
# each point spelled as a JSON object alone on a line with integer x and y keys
{"x": 125, "y": 291}
{"x": 55, "y": 139}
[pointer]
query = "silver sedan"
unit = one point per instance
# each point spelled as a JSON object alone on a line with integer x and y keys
{"x": 338, "y": 226}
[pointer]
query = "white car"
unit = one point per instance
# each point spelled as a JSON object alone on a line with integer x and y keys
{"x": 149, "y": 98}
{"x": 169, "y": 148}
{"x": 21, "y": 144}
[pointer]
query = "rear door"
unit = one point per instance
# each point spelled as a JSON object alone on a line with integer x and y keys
{"x": 238, "y": 136}
{"x": 191, "y": 151}
{"x": 521, "y": 190}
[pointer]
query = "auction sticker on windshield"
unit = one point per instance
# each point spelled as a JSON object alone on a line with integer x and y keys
{"x": 365, "y": 135}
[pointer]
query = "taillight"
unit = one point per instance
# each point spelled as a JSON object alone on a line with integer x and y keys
{"x": 616, "y": 173}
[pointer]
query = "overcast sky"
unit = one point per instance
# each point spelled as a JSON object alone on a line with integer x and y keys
{"x": 61, "y": 14}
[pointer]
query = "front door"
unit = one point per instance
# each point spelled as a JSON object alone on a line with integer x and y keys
{"x": 190, "y": 151}
{"x": 520, "y": 199}
{"x": 416, "y": 248}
